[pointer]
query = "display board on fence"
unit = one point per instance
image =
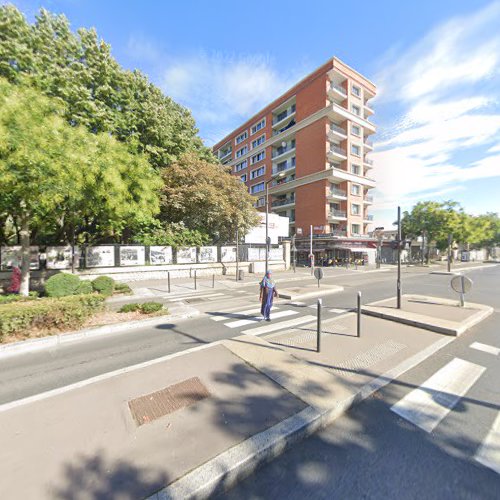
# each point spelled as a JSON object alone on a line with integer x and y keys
{"x": 256, "y": 254}
{"x": 160, "y": 255}
{"x": 228, "y": 254}
{"x": 276, "y": 253}
{"x": 60, "y": 257}
{"x": 11, "y": 257}
{"x": 132, "y": 256}
{"x": 186, "y": 255}
{"x": 277, "y": 226}
{"x": 101, "y": 256}
{"x": 207, "y": 254}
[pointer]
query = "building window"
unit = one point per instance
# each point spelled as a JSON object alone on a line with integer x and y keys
{"x": 356, "y": 189}
{"x": 258, "y": 126}
{"x": 356, "y": 109}
{"x": 243, "y": 178}
{"x": 241, "y": 165}
{"x": 257, "y": 188}
{"x": 241, "y": 137}
{"x": 258, "y": 157}
{"x": 260, "y": 202}
{"x": 355, "y": 209}
{"x": 355, "y": 150}
{"x": 356, "y": 91}
{"x": 259, "y": 141}
{"x": 356, "y": 130}
{"x": 356, "y": 169}
{"x": 242, "y": 151}
{"x": 257, "y": 173}
{"x": 355, "y": 228}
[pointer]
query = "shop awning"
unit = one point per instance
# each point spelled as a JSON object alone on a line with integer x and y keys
{"x": 356, "y": 249}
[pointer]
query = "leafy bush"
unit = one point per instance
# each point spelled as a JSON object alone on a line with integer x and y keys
{"x": 62, "y": 285}
{"x": 122, "y": 288}
{"x": 84, "y": 288}
{"x": 129, "y": 308}
{"x": 7, "y": 299}
{"x": 104, "y": 285}
{"x": 151, "y": 307}
{"x": 51, "y": 313}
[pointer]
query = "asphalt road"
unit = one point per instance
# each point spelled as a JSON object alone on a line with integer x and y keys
{"x": 32, "y": 373}
{"x": 373, "y": 453}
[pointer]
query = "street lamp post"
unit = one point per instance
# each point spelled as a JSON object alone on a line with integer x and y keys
{"x": 273, "y": 178}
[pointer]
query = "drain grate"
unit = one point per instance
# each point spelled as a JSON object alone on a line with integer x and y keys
{"x": 152, "y": 406}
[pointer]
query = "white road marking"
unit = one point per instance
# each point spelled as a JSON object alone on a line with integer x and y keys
{"x": 489, "y": 452}
{"x": 243, "y": 322}
{"x": 434, "y": 399}
{"x": 338, "y": 311}
{"x": 200, "y": 296}
{"x": 239, "y": 313}
{"x": 272, "y": 327}
{"x": 485, "y": 348}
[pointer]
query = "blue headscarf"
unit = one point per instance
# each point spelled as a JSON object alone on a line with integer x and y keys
{"x": 267, "y": 282}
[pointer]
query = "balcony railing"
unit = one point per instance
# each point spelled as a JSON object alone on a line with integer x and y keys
{"x": 224, "y": 154}
{"x": 336, "y": 128}
{"x": 336, "y": 232}
{"x": 338, "y": 88}
{"x": 337, "y": 192}
{"x": 338, "y": 150}
{"x": 368, "y": 144}
{"x": 368, "y": 162}
{"x": 368, "y": 197}
{"x": 278, "y": 182}
{"x": 282, "y": 168}
{"x": 280, "y": 203}
{"x": 338, "y": 213}
{"x": 286, "y": 127}
{"x": 284, "y": 114}
{"x": 368, "y": 217}
{"x": 282, "y": 150}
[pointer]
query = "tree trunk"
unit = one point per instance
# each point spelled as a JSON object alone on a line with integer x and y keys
{"x": 25, "y": 253}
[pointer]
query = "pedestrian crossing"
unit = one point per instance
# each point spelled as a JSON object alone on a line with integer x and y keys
{"x": 429, "y": 404}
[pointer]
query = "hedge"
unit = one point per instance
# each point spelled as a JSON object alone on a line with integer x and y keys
{"x": 150, "y": 307}
{"x": 14, "y": 297}
{"x": 62, "y": 285}
{"x": 104, "y": 285}
{"x": 51, "y": 313}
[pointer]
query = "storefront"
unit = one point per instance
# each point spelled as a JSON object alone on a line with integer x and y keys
{"x": 333, "y": 251}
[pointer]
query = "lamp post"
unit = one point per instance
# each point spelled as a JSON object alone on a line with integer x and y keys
{"x": 273, "y": 178}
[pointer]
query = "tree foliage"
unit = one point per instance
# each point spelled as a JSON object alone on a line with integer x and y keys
{"x": 54, "y": 174}
{"x": 79, "y": 69}
{"x": 206, "y": 197}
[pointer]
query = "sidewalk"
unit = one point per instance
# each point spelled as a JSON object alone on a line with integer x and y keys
{"x": 198, "y": 420}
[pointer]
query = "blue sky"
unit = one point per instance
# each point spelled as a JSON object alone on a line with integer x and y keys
{"x": 436, "y": 63}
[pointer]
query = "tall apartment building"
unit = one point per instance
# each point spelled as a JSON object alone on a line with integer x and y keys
{"x": 311, "y": 146}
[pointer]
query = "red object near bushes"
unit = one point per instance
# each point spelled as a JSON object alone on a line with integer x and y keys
{"x": 15, "y": 281}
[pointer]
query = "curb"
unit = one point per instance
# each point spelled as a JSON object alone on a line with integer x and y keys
{"x": 31, "y": 345}
{"x": 460, "y": 269}
{"x": 238, "y": 462}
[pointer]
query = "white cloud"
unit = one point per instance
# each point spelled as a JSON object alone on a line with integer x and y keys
{"x": 447, "y": 87}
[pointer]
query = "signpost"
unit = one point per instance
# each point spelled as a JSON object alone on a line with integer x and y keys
{"x": 450, "y": 237}
{"x": 462, "y": 285}
{"x": 318, "y": 274}
{"x": 398, "y": 287}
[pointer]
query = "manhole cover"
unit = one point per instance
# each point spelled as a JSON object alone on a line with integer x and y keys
{"x": 160, "y": 403}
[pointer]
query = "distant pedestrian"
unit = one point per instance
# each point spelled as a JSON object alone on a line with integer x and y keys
{"x": 267, "y": 293}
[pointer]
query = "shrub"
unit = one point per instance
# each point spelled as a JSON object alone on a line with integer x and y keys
{"x": 62, "y": 285}
{"x": 84, "y": 288}
{"x": 129, "y": 308}
{"x": 122, "y": 288}
{"x": 7, "y": 299}
{"x": 151, "y": 307}
{"x": 104, "y": 285}
{"x": 51, "y": 313}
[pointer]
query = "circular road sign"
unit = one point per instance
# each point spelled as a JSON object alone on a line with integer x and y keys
{"x": 318, "y": 273}
{"x": 461, "y": 283}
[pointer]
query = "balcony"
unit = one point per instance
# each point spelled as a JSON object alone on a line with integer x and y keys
{"x": 282, "y": 151}
{"x": 283, "y": 129}
{"x": 368, "y": 111}
{"x": 337, "y": 215}
{"x": 283, "y": 202}
{"x": 284, "y": 115}
{"x": 284, "y": 166}
{"x": 225, "y": 154}
{"x": 286, "y": 179}
{"x": 342, "y": 233}
{"x": 368, "y": 218}
{"x": 337, "y": 152}
{"x": 368, "y": 163}
{"x": 336, "y": 132}
{"x": 336, "y": 193}
{"x": 336, "y": 91}
{"x": 368, "y": 145}
{"x": 368, "y": 199}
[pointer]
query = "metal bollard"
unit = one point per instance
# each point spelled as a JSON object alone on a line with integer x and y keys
{"x": 168, "y": 278}
{"x": 318, "y": 329}
{"x": 213, "y": 280}
{"x": 195, "y": 287}
{"x": 359, "y": 315}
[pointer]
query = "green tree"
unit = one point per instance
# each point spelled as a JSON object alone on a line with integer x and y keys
{"x": 53, "y": 173}
{"x": 206, "y": 197}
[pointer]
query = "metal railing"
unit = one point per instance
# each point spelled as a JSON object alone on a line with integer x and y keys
{"x": 337, "y": 192}
{"x": 337, "y": 232}
{"x": 340, "y": 151}
{"x": 338, "y": 88}
{"x": 286, "y": 201}
{"x": 368, "y": 217}
{"x": 368, "y": 197}
{"x": 368, "y": 162}
{"x": 337, "y": 213}
{"x": 282, "y": 150}
{"x": 336, "y": 128}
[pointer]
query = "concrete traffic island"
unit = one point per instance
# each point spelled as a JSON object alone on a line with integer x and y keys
{"x": 430, "y": 313}
{"x": 309, "y": 291}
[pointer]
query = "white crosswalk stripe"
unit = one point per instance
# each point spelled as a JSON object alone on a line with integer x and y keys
{"x": 249, "y": 321}
{"x": 436, "y": 397}
{"x": 198, "y": 296}
{"x": 489, "y": 452}
{"x": 485, "y": 348}
{"x": 272, "y": 327}
{"x": 227, "y": 316}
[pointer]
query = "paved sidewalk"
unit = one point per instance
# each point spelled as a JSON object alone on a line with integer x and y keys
{"x": 199, "y": 419}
